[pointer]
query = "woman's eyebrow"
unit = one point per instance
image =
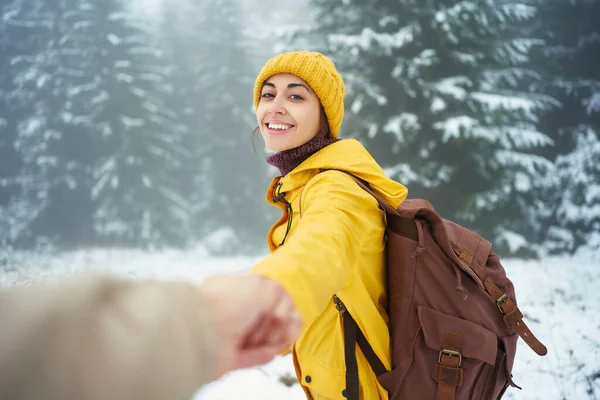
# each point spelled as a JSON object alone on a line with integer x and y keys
{"x": 290, "y": 86}
{"x": 293, "y": 85}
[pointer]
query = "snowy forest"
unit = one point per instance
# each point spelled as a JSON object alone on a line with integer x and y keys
{"x": 121, "y": 130}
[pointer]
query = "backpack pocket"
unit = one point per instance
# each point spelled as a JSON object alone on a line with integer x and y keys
{"x": 468, "y": 366}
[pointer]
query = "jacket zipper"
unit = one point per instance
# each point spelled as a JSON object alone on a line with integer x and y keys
{"x": 339, "y": 305}
{"x": 278, "y": 196}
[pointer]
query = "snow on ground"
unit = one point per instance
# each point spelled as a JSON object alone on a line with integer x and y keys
{"x": 560, "y": 297}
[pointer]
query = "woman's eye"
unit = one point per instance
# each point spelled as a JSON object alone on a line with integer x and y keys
{"x": 265, "y": 95}
{"x": 296, "y": 97}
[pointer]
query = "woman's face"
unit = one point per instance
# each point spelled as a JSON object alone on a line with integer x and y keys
{"x": 289, "y": 112}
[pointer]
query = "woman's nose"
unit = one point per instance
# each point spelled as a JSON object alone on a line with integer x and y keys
{"x": 277, "y": 106}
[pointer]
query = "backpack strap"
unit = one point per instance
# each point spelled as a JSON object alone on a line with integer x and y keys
{"x": 448, "y": 372}
{"x": 352, "y": 336}
{"x": 512, "y": 316}
{"x": 350, "y": 330}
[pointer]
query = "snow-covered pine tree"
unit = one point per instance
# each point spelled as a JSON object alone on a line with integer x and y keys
{"x": 574, "y": 192}
{"x": 180, "y": 32}
{"x": 569, "y": 203}
{"x": 40, "y": 190}
{"x": 7, "y": 51}
{"x": 434, "y": 91}
{"x": 119, "y": 97}
{"x": 213, "y": 84}
{"x": 12, "y": 221}
{"x": 238, "y": 173}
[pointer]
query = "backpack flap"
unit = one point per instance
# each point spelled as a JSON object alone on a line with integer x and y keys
{"x": 462, "y": 239}
{"x": 448, "y": 235}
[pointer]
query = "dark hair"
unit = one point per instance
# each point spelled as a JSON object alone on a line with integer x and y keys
{"x": 254, "y": 132}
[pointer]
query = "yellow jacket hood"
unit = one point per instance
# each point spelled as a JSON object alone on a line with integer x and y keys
{"x": 347, "y": 155}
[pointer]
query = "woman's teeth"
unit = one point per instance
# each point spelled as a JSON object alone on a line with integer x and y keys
{"x": 279, "y": 126}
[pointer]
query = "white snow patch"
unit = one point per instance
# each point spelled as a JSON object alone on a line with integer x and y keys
{"x": 113, "y": 39}
{"x": 100, "y": 98}
{"x": 43, "y": 79}
{"x": 495, "y": 101}
{"x": 31, "y": 125}
{"x": 558, "y": 295}
{"x": 357, "y": 105}
{"x": 522, "y": 182}
{"x": 592, "y": 104}
{"x": 513, "y": 240}
{"x": 122, "y": 64}
{"x": 401, "y": 123}
{"x": 125, "y": 77}
{"x": 523, "y": 137}
{"x": 529, "y": 161}
{"x": 92, "y": 86}
{"x": 372, "y": 131}
{"x": 129, "y": 122}
{"x": 464, "y": 58}
{"x": 453, "y": 86}
{"x": 219, "y": 239}
{"x": 369, "y": 38}
{"x": 103, "y": 174}
{"x": 138, "y": 92}
{"x": 388, "y": 19}
{"x": 521, "y": 11}
{"x": 147, "y": 181}
{"x": 425, "y": 58}
{"x": 453, "y": 127}
{"x": 437, "y": 105}
{"x": 404, "y": 172}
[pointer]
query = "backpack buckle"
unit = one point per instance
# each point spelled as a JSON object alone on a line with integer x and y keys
{"x": 501, "y": 300}
{"x": 450, "y": 354}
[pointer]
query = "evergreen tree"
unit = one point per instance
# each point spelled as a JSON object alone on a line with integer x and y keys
{"x": 66, "y": 148}
{"x": 120, "y": 98}
{"x": 11, "y": 221}
{"x": 435, "y": 91}
{"x": 238, "y": 174}
{"x": 180, "y": 34}
{"x": 569, "y": 203}
{"x": 214, "y": 86}
{"x": 34, "y": 101}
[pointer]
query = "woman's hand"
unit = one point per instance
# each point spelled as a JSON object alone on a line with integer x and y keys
{"x": 254, "y": 316}
{"x": 282, "y": 323}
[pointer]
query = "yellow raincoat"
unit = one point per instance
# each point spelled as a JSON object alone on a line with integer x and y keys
{"x": 333, "y": 243}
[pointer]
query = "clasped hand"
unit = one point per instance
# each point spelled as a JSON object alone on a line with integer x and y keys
{"x": 254, "y": 317}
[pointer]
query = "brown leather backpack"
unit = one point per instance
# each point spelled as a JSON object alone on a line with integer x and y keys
{"x": 454, "y": 320}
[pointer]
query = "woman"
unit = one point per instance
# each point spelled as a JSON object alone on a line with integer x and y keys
{"x": 330, "y": 238}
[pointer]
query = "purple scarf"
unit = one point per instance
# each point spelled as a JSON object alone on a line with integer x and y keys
{"x": 287, "y": 160}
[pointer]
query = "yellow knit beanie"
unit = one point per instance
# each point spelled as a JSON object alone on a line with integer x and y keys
{"x": 319, "y": 72}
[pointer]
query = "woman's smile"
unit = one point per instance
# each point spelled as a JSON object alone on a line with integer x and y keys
{"x": 278, "y": 127}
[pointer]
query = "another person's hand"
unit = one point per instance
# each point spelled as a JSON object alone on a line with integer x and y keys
{"x": 254, "y": 316}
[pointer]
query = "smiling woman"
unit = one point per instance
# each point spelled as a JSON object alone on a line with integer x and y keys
{"x": 289, "y": 113}
{"x": 329, "y": 242}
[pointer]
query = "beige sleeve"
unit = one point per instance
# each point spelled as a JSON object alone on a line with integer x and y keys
{"x": 97, "y": 337}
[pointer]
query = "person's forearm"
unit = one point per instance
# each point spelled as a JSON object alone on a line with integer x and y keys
{"x": 100, "y": 338}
